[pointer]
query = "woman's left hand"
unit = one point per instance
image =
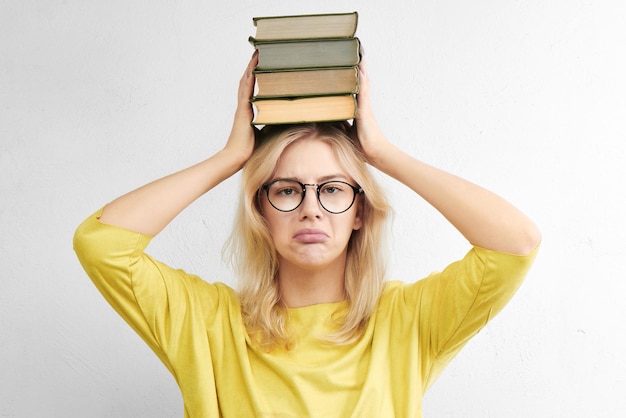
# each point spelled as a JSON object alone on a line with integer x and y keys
{"x": 370, "y": 138}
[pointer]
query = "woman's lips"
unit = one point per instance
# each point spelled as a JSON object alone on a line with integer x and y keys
{"x": 309, "y": 235}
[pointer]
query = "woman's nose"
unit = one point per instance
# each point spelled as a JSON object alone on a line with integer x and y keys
{"x": 310, "y": 204}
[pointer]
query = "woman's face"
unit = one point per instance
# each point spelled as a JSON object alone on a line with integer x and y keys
{"x": 309, "y": 237}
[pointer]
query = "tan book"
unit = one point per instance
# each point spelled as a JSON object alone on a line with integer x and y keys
{"x": 308, "y": 82}
{"x": 302, "y": 110}
{"x": 329, "y": 25}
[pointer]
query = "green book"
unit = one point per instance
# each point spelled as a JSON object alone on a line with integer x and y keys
{"x": 310, "y": 53}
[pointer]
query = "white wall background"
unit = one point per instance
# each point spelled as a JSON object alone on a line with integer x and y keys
{"x": 527, "y": 98}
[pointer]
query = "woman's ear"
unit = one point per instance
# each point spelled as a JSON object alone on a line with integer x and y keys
{"x": 259, "y": 203}
{"x": 358, "y": 220}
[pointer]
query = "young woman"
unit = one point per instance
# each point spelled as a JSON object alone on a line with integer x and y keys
{"x": 313, "y": 331}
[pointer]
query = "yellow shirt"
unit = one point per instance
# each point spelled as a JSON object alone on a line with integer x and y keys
{"x": 196, "y": 330}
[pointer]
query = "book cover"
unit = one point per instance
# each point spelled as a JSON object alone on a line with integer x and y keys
{"x": 309, "y": 53}
{"x": 329, "y": 25}
{"x": 304, "y": 109}
{"x": 307, "y": 82}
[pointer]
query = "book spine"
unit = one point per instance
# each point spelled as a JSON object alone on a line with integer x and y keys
{"x": 314, "y": 15}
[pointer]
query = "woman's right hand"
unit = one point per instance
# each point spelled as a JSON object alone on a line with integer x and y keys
{"x": 241, "y": 139}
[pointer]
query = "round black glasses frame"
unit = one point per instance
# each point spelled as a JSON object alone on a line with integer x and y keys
{"x": 318, "y": 187}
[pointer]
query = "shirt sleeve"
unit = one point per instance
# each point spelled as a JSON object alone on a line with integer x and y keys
{"x": 153, "y": 298}
{"x": 455, "y": 304}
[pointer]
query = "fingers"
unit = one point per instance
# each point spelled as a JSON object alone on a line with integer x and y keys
{"x": 252, "y": 64}
{"x": 248, "y": 75}
{"x": 246, "y": 84}
{"x": 363, "y": 97}
{"x": 362, "y": 63}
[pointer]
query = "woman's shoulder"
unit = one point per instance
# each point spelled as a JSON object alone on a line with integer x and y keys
{"x": 478, "y": 267}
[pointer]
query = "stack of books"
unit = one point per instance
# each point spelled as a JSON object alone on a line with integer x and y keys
{"x": 307, "y": 69}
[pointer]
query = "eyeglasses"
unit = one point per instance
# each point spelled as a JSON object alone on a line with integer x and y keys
{"x": 334, "y": 196}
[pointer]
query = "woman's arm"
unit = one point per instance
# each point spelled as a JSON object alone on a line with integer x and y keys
{"x": 485, "y": 219}
{"x": 150, "y": 208}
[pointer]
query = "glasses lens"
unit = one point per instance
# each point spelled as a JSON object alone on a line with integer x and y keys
{"x": 285, "y": 195}
{"x": 336, "y": 196}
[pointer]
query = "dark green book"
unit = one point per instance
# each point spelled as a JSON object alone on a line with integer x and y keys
{"x": 310, "y": 53}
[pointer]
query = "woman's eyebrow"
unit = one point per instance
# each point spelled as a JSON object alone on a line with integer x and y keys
{"x": 284, "y": 179}
{"x": 322, "y": 179}
{"x": 332, "y": 177}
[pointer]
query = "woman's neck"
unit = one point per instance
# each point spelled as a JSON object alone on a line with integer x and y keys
{"x": 299, "y": 287}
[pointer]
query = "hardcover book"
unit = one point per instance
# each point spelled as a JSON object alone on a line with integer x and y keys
{"x": 307, "y": 82}
{"x": 310, "y": 53}
{"x": 332, "y": 25}
{"x": 304, "y": 109}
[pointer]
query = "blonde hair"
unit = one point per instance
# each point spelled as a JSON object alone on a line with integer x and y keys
{"x": 253, "y": 256}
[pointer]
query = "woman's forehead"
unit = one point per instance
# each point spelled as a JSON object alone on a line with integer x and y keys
{"x": 309, "y": 158}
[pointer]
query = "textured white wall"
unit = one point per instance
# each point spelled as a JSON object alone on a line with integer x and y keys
{"x": 525, "y": 98}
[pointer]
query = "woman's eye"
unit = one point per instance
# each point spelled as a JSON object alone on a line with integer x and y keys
{"x": 332, "y": 189}
{"x": 286, "y": 191}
